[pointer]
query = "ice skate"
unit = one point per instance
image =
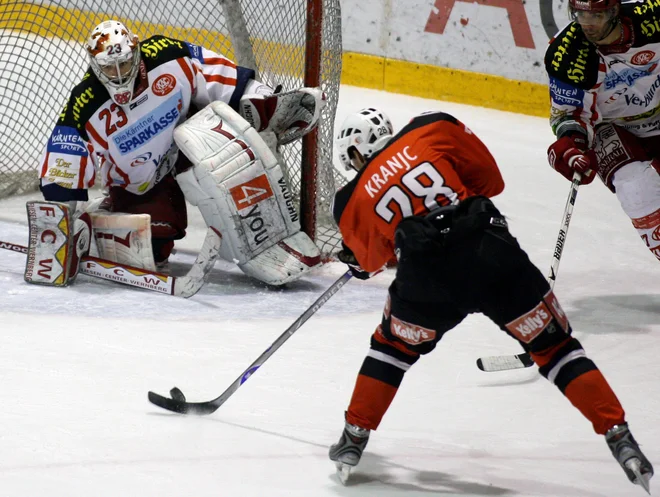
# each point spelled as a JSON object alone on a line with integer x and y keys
{"x": 347, "y": 452}
{"x": 626, "y": 450}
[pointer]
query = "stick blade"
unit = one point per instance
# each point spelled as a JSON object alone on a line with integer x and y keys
{"x": 181, "y": 407}
{"x": 186, "y": 286}
{"x": 504, "y": 362}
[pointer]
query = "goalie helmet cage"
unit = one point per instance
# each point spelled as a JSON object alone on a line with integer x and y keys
{"x": 292, "y": 43}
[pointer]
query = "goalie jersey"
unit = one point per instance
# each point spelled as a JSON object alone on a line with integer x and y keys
{"x": 132, "y": 146}
{"x": 433, "y": 161}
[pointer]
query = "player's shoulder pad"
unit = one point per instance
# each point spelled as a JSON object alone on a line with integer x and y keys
{"x": 343, "y": 196}
{"x": 428, "y": 117}
{"x": 419, "y": 121}
{"x": 571, "y": 58}
{"x": 160, "y": 49}
{"x": 645, "y": 17}
{"x": 84, "y": 100}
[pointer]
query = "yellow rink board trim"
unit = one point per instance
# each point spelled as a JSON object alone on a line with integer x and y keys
{"x": 442, "y": 83}
{"x": 367, "y": 71}
{"x": 76, "y": 25}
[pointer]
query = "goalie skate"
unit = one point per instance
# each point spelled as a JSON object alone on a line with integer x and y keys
{"x": 626, "y": 451}
{"x": 347, "y": 452}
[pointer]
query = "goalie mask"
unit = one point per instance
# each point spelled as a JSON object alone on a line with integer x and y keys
{"x": 368, "y": 130}
{"x": 114, "y": 56}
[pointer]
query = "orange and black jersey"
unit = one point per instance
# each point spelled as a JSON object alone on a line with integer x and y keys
{"x": 433, "y": 161}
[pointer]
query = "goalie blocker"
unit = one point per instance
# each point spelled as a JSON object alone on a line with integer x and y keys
{"x": 59, "y": 238}
{"x": 239, "y": 187}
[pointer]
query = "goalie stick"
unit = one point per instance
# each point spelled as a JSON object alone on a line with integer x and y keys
{"x": 524, "y": 360}
{"x": 178, "y": 401}
{"x": 179, "y": 286}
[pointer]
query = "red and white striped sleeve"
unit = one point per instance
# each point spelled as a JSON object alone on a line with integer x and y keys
{"x": 68, "y": 162}
{"x": 214, "y": 77}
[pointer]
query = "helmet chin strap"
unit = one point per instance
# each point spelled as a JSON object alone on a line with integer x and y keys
{"x": 616, "y": 21}
{"x": 358, "y": 161}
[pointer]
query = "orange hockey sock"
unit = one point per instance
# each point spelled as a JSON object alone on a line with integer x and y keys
{"x": 579, "y": 379}
{"x": 592, "y": 395}
{"x": 371, "y": 399}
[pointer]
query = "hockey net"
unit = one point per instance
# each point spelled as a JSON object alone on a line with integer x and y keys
{"x": 292, "y": 43}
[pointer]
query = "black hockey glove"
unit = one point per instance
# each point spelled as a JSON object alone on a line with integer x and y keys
{"x": 347, "y": 256}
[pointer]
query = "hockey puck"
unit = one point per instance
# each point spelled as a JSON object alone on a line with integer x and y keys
{"x": 177, "y": 395}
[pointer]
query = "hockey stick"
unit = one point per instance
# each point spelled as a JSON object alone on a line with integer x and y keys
{"x": 179, "y": 286}
{"x": 524, "y": 360}
{"x": 178, "y": 401}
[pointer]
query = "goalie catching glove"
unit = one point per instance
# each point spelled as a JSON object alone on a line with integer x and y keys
{"x": 289, "y": 115}
{"x": 238, "y": 185}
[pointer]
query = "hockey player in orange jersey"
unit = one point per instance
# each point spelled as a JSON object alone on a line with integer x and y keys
{"x": 424, "y": 196}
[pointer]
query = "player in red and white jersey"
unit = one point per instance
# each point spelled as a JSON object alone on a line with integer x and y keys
{"x": 423, "y": 195}
{"x": 604, "y": 81}
{"x": 120, "y": 119}
{"x": 123, "y": 127}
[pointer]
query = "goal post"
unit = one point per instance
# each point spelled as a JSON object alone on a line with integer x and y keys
{"x": 292, "y": 43}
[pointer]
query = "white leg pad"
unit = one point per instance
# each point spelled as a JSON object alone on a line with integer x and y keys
{"x": 124, "y": 238}
{"x": 59, "y": 238}
{"x": 241, "y": 191}
{"x": 285, "y": 261}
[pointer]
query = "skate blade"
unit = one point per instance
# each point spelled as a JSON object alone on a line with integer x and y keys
{"x": 644, "y": 481}
{"x": 343, "y": 472}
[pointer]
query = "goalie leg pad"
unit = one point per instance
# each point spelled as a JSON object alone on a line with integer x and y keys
{"x": 239, "y": 187}
{"x": 58, "y": 240}
{"x": 124, "y": 238}
{"x": 285, "y": 261}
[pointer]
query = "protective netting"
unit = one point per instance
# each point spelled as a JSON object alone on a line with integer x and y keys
{"x": 292, "y": 43}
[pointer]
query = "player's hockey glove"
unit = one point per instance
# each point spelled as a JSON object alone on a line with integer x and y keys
{"x": 570, "y": 154}
{"x": 347, "y": 256}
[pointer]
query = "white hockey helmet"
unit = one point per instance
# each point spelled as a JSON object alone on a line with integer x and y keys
{"x": 114, "y": 56}
{"x": 368, "y": 130}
